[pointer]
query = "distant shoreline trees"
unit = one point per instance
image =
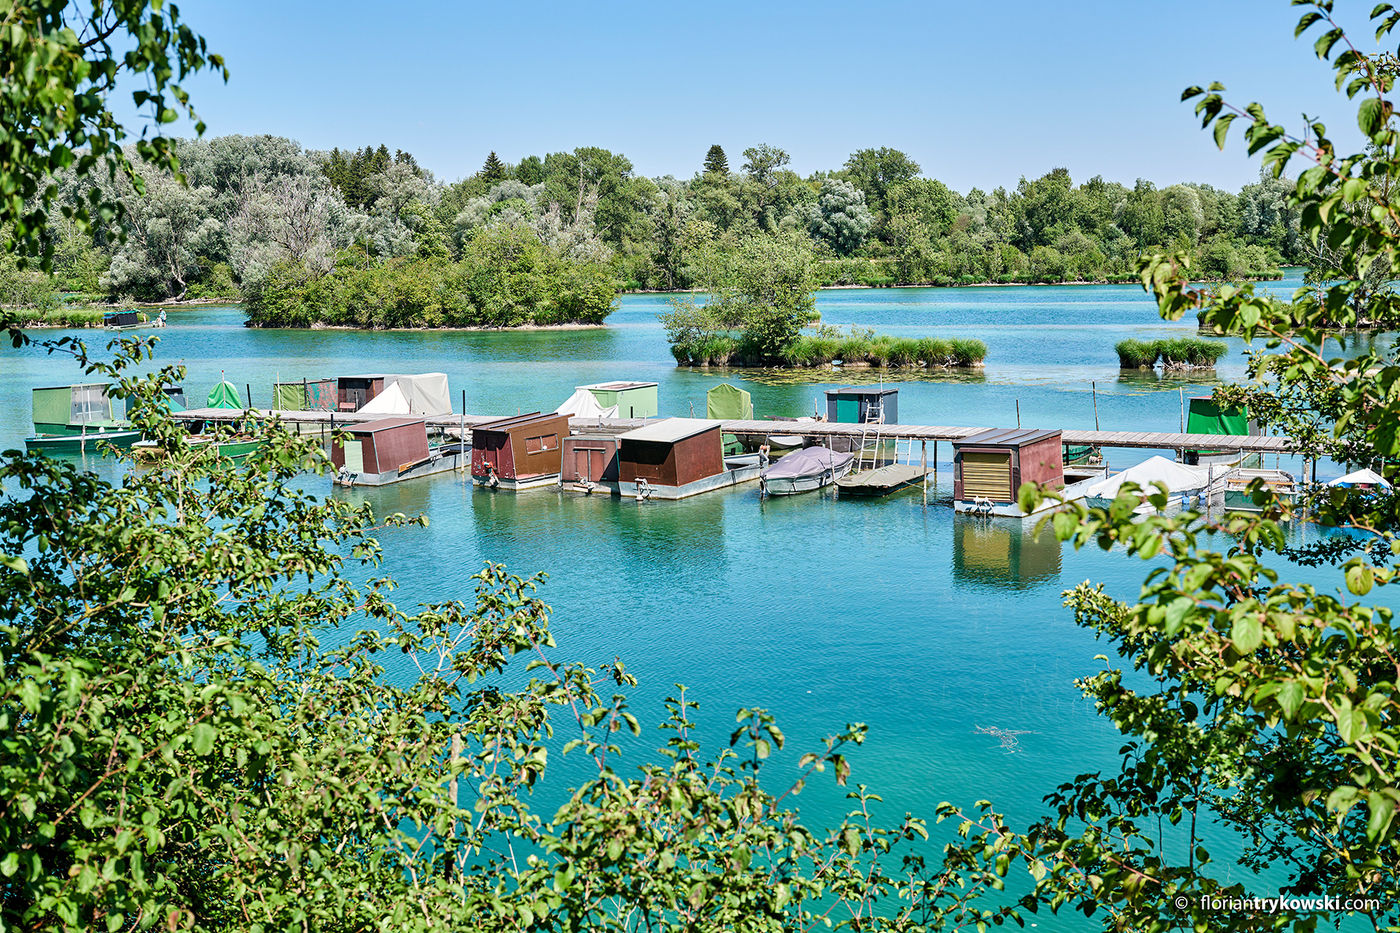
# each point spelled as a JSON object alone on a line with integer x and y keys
{"x": 258, "y": 203}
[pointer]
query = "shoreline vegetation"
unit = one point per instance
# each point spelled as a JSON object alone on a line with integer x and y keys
{"x": 368, "y": 237}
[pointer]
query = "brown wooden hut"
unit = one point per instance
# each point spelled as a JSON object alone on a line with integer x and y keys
{"x": 353, "y": 391}
{"x": 383, "y": 446}
{"x": 520, "y": 451}
{"x": 675, "y": 458}
{"x": 992, "y": 465}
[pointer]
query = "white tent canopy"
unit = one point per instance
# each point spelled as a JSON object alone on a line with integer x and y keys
{"x": 1178, "y": 477}
{"x": 391, "y": 401}
{"x": 584, "y": 404}
{"x": 1361, "y": 478}
{"x": 427, "y": 393}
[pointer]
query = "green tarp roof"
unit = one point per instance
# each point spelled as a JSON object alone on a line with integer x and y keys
{"x": 225, "y": 395}
{"x": 729, "y": 402}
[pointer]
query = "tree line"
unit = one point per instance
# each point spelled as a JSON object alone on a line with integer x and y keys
{"x": 261, "y": 218}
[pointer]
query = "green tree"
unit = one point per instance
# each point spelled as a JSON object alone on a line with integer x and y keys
{"x": 875, "y": 172}
{"x": 761, "y": 290}
{"x": 839, "y": 218}
{"x": 59, "y": 62}
{"x": 494, "y": 170}
{"x": 715, "y": 161}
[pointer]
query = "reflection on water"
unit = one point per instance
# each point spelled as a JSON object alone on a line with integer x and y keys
{"x": 1003, "y": 553}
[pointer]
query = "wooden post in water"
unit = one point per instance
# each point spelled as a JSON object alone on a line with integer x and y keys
{"x": 1018, "y": 413}
{"x": 456, "y": 804}
{"x": 935, "y": 460}
{"x": 923, "y": 465}
{"x": 1182, "y": 390}
{"x": 1094, "y": 389}
{"x": 248, "y": 386}
{"x": 462, "y": 433}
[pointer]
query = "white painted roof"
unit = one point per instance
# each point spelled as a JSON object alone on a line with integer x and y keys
{"x": 670, "y": 430}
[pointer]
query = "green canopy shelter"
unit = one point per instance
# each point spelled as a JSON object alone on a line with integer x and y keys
{"x": 225, "y": 395}
{"x": 1206, "y": 417}
{"x": 729, "y": 403}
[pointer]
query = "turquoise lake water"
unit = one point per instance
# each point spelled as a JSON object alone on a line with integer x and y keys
{"x": 924, "y": 624}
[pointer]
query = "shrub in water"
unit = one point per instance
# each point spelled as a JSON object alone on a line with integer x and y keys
{"x": 1137, "y": 354}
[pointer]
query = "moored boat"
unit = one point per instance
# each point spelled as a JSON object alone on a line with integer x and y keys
{"x": 1238, "y": 497}
{"x": 234, "y": 448}
{"x": 1185, "y": 484}
{"x": 805, "y": 470}
{"x": 89, "y": 441}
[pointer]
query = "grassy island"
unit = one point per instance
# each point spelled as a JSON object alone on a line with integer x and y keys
{"x": 1176, "y": 353}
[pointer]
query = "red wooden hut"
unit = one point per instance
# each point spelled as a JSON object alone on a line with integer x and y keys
{"x": 992, "y": 465}
{"x": 520, "y": 451}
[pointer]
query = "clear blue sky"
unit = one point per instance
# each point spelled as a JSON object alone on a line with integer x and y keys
{"x": 978, "y": 93}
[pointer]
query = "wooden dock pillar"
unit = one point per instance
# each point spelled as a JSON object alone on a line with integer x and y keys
{"x": 923, "y": 465}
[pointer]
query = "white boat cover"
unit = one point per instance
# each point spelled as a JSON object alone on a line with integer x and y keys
{"x": 584, "y": 404}
{"x": 391, "y": 401}
{"x": 427, "y": 393}
{"x": 1178, "y": 477}
{"x": 1361, "y": 478}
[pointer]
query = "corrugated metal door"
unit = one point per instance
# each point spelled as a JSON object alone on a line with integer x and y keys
{"x": 986, "y": 474}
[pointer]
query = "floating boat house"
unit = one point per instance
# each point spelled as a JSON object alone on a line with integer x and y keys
{"x": 676, "y": 458}
{"x": 519, "y": 452}
{"x": 862, "y": 404}
{"x": 66, "y": 409}
{"x": 590, "y": 461}
{"x": 989, "y": 468}
{"x": 391, "y": 450}
{"x": 633, "y": 399}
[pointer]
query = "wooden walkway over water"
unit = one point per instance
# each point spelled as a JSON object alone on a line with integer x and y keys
{"x": 1153, "y": 440}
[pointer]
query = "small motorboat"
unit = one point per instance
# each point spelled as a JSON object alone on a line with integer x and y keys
{"x": 88, "y": 441}
{"x": 234, "y": 448}
{"x": 805, "y": 470}
{"x": 789, "y": 440}
{"x": 1238, "y": 498}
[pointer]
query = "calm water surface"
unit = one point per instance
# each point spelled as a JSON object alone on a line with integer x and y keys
{"x": 924, "y": 624}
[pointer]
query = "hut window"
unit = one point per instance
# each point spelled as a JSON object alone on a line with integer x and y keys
{"x": 534, "y": 445}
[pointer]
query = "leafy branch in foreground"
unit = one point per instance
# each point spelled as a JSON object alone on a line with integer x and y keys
{"x": 208, "y": 725}
{"x": 1264, "y": 706}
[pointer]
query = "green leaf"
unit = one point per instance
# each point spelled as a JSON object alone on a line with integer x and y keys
{"x": 1247, "y": 633}
{"x": 202, "y": 739}
{"x": 1360, "y": 579}
{"x": 1370, "y": 116}
{"x": 1290, "y": 697}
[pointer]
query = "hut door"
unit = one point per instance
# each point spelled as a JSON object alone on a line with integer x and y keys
{"x": 582, "y": 464}
{"x": 848, "y": 411}
{"x": 986, "y": 474}
{"x": 595, "y": 465}
{"x": 354, "y": 457}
